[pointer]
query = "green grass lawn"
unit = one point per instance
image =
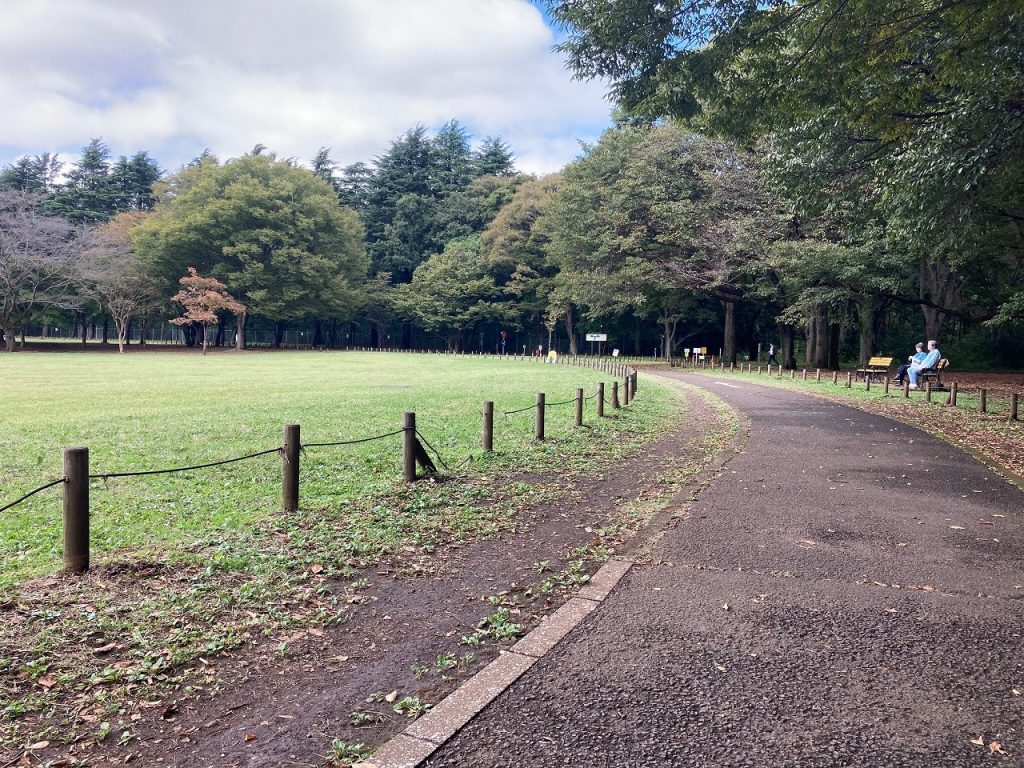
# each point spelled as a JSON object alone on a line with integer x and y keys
{"x": 158, "y": 410}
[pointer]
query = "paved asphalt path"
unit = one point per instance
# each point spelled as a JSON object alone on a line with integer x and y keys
{"x": 848, "y": 592}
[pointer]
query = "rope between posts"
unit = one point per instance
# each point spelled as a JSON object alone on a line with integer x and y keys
{"x": 353, "y": 442}
{"x": 519, "y": 410}
{"x": 14, "y": 503}
{"x": 105, "y": 475}
{"x": 432, "y": 448}
{"x": 561, "y": 402}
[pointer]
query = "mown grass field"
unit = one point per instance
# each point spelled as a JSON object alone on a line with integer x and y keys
{"x": 158, "y": 410}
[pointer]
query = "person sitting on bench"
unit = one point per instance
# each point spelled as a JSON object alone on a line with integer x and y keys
{"x": 919, "y": 355}
{"x": 916, "y": 368}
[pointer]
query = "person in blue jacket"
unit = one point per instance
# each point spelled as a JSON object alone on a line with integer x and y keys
{"x": 918, "y": 356}
{"x": 929, "y": 362}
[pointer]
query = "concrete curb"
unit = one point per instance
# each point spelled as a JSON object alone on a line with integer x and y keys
{"x": 421, "y": 739}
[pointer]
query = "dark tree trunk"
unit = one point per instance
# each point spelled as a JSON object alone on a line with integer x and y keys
{"x": 318, "y": 336}
{"x": 786, "y": 346}
{"x": 85, "y": 330}
{"x": 868, "y": 317}
{"x": 821, "y": 337}
{"x": 374, "y": 335}
{"x": 222, "y": 323}
{"x": 729, "y": 332}
{"x": 407, "y": 335}
{"x": 279, "y": 329}
{"x": 106, "y": 330}
{"x": 240, "y": 320}
{"x": 834, "y": 337}
{"x": 332, "y": 334}
{"x": 570, "y": 331}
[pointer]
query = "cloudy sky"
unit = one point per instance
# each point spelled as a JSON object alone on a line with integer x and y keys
{"x": 176, "y": 76}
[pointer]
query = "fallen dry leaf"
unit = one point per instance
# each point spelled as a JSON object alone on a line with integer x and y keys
{"x": 317, "y": 568}
{"x": 105, "y": 648}
{"x": 390, "y": 698}
{"x": 250, "y": 736}
{"x": 38, "y": 745}
{"x": 994, "y": 747}
{"x": 47, "y": 681}
{"x": 979, "y": 741}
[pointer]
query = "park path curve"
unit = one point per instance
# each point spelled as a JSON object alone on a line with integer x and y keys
{"x": 849, "y": 591}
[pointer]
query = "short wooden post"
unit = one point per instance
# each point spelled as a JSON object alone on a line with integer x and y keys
{"x": 983, "y": 400}
{"x": 906, "y": 388}
{"x": 759, "y": 370}
{"x": 952, "y": 394}
{"x": 849, "y": 379}
{"x": 290, "y": 468}
{"x": 928, "y": 391}
{"x": 579, "y": 407}
{"x": 1013, "y": 406}
{"x": 625, "y": 392}
{"x": 817, "y": 375}
{"x": 615, "y": 395}
{"x": 600, "y": 399}
{"x": 409, "y": 447}
{"x": 792, "y": 374}
{"x": 803, "y": 376}
{"x": 76, "y": 510}
{"x": 538, "y": 423}
{"x": 885, "y": 387}
{"x": 835, "y": 377}
{"x": 867, "y": 383}
{"x": 487, "y": 433}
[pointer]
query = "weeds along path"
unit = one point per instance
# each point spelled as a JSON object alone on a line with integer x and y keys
{"x": 414, "y": 627}
{"x": 847, "y": 592}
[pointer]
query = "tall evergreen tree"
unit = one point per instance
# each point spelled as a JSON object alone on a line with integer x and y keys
{"x": 88, "y": 195}
{"x": 494, "y": 158}
{"x": 36, "y": 174}
{"x": 133, "y": 179}
{"x": 452, "y": 160}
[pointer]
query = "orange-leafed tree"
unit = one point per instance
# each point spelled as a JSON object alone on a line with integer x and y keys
{"x": 202, "y": 298}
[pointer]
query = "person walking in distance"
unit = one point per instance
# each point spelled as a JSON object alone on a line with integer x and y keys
{"x": 771, "y": 355}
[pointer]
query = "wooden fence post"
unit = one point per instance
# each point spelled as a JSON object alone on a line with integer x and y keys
{"x": 579, "y": 407}
{"x": 409, "y": 447}
{"x": 625, "y": 392}
{"x": 538, "y": 424}
{"x": 952, "y": 395}
{"x": 885, "y": 387}
{"x": 615, "y": 395}
{"x": 906, "y": 388}
{"x": 983, "y": 400}
{"x": 76, "y": 510}
{"x": 867, "y": 382}
{"x": 290, "y": 468}
{"x": 849, "y": 379}
{"x": 487, "y": 435}
{"x": 1013, "y": 406}
{"x": 600, "y": 399}
{"x": 928, "y": 391}
{"x": 835, "y": 377}
{"x": 817, "y": 375}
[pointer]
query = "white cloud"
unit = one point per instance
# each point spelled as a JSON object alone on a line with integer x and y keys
{"x": 175, "y": 78}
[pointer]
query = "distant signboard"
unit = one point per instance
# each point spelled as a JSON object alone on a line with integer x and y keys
{"x": 597, "y": 337}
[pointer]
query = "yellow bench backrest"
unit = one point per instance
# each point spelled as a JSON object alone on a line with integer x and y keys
{"x": 880, "y": 362}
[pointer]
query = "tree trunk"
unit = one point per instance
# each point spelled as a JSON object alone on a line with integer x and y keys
{"x": 85, "y": 330}
{"x": 332, "y": 334}
{"x": 222, "y": 322}
{"x": 868, "y": 321}
{"x": 8, "y": 334}
{"x": 669, "y": 340}
{"x": 240, "y": 319}
{"x": 932, "y": 322}
{"x": 202, "y": 329}
{"x": 729, "y": 332}
{"x": 786, "y": 346}
{"x": 106, "y": 338}
{"x": 570, "y": 331}
{"x": 142, "y": 331}
{"x": 374, "y": 335}
{"x": 121, "y": 327}
{"x": 835, "y": 335}
{"x": 279, "y": 329}
{"x": 318, "y": 336}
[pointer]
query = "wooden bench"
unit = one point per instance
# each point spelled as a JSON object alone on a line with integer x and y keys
{"x": 934, "y": 375}
{"x": 877, "y": 366}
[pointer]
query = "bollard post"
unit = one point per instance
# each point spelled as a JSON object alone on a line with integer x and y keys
{"x": 625, "y": 392}
{"x": 290, "y": 468}
{"x": 817, "y": 375}
{"x": 906, "y": 388}
{"x": 835, "y": 377}
{"x": 867, "y": 382}
{"x": 538, "y": 424}
{"x": 983, "y": 400}
{"x": 792, "y": 374}
{"x": 928, "y": 391}
{"x": 952, "y": 395}
{"x": 409, "y": 447}
{"x": 803, "y": 376}
{"x": 849, "y": 379}
{"x": 487, "y": 434}
{"x": 885, "y": 386}
{"x": 615, "y": 395}
{"x": 600, "y": 399}
{"x": 579, "y": 407}
{"x": 76, "y": 510}
{"x": 1013, "y": 406}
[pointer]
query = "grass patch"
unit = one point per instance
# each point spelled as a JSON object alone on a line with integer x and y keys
{"x": 193, "y": 565}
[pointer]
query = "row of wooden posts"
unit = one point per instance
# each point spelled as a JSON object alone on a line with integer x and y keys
{"x": 950, "y": 400}
{"x": 76, "y": 462}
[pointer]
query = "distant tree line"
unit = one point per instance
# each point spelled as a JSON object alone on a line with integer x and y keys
{"x": 833, "y": 222}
